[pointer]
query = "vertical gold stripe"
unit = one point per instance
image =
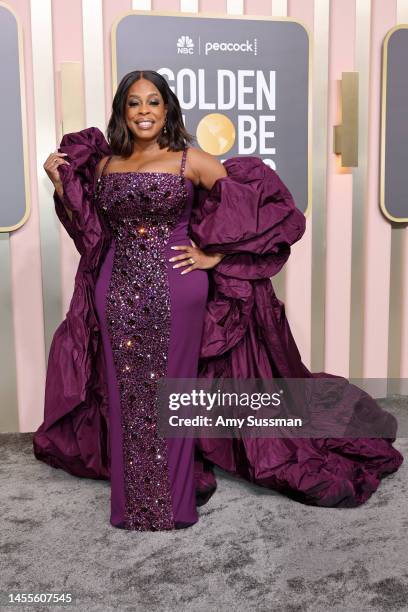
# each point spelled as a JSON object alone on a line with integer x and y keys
{"x": 8, "y": 382}
{"x": 72, "y": 120}
{"x": 44, "y": 121}
{"x": 398, "y": 238}
{"x": 94, "y": 75}
{"x": 72, "y": 102}
{"x": 320, "y": 95}
{"x": 362, "y": 53}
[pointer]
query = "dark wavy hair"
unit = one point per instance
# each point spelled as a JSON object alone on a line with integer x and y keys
{"x": 120, "y": 138}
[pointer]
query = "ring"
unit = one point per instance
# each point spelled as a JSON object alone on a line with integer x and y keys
{"x": 191, "y": 260}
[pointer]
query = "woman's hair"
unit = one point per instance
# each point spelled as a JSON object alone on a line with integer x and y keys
{"x": 120, "y": 138}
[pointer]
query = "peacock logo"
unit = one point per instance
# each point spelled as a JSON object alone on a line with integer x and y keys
{"x": 185, "y": 45}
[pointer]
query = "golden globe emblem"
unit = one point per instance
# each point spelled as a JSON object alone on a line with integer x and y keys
{"x": 216, "y": 134}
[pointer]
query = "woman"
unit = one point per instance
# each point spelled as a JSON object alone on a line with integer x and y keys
{"x": 177, "y": 251}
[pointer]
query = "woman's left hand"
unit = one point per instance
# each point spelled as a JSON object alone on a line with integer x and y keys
{"x": 195, "y": 258}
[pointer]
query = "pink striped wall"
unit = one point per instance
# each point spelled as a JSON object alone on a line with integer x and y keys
{"x": 339, "y": 197}
{"x": 173, "y": 5}
{"x": 378, "y": 252}
{"x": 66, "y": 17}
{"x": 111, "y": 10}
{"x": 26, "y": 270}
{"x": 298, "y": 275}
{"x": 211, "y": 6}
{"x": 25, "y": 242}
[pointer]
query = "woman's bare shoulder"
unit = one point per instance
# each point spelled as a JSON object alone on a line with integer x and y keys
{"x": 199, "y": 157}
{"x": 205, "y": 167}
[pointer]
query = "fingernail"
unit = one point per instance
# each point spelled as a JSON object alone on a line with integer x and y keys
{"x": 171, "y": 259}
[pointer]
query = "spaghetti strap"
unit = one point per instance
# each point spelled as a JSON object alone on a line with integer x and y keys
{"x": 105, "y": 166}
{"x": 183, "y": 161}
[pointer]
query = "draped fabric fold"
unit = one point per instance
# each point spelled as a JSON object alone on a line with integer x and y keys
{"x": 74, "y": 433}
{"x": 250, "y": 216}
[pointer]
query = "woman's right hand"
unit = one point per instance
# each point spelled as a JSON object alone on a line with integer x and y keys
{"x": 51, "y": 167}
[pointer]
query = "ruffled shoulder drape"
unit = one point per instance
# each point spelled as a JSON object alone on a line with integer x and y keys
{"x": 73, "y": 435}
{"x": 251, "y": 217}
{"x": 250, "y": 214}
{"x": 84, "y": 150}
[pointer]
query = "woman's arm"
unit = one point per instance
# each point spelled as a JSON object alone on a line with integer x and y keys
{"x": 59, "y": 188}
{"x": 51, "y": 167}
{"x": 60, "y": 193}
{"x": 208, "y": 170}
{"x": 99, "y": 167}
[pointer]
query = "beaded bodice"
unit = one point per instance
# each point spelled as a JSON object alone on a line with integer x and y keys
{"x": 132, "y": 202}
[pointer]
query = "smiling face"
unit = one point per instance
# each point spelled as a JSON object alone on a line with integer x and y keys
{"x": 145, "y": 111}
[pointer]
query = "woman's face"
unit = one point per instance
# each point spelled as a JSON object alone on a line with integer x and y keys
{"x": 145, "y": 111}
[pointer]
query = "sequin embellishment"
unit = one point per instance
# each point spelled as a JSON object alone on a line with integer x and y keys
{"x": 141, "y": 210}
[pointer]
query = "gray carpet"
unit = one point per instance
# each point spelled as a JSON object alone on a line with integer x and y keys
{"x": 253, "y": 549}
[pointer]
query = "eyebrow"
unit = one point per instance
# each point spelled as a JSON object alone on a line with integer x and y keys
{"x": 152, "y": 93}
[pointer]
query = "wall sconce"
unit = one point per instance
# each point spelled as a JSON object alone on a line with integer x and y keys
{"x": 345, "y": 136}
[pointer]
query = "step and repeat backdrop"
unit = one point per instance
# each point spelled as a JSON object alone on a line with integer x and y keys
{"x": 243, "y": 84}
{"x": 317, "y": 90}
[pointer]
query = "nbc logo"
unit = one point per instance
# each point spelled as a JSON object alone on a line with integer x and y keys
{"x": 185, "y": 45}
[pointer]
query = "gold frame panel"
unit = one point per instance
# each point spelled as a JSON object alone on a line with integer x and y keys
{"x": 403, "y": 26}
{"x": 23, "y": 111}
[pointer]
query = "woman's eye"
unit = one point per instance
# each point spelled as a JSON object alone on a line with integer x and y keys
{"x": 155, "y": 102}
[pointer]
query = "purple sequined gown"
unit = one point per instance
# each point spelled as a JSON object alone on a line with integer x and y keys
{"x": 151, "y": 321}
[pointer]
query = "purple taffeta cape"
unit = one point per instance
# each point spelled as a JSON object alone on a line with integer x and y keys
{"x": 250, "y": 216}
